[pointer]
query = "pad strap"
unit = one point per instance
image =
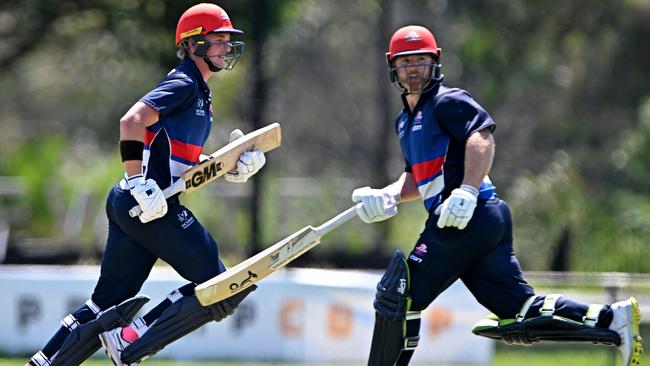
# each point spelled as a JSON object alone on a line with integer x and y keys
{"x": 592, "y": 314}
{"x": 93, "y": 307}
{"x": 411, "y": 330}
{"x": 70, "y": 322}
{"x": 39, "y": 359}
{"x": 548, "y": 307}
{"x": 524, "y": 309}
{"x": 175, "y": 295}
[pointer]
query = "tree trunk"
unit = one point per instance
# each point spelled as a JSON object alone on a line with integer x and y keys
{"x": 379, "y": 165}
{"x": 256, "y": 109}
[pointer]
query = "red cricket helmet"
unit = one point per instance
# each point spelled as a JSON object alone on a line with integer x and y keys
{"x": 203, "y": 19}
{"x": 199, "y": 20}
{"x": 412, "y": 39}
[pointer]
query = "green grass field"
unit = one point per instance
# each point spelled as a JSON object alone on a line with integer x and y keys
{"x": 549, "y": 354}
{"x": 505, "y": 356}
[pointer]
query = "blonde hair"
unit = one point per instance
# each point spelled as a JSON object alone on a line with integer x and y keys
{"x": 181, "y": 52}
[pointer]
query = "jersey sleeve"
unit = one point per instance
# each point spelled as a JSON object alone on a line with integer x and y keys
{"x": 170, "y": 94}
{"x": 460, "y": 115}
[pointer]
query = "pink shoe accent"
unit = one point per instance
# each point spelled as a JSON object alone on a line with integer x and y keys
{"x": 129, "y": 334}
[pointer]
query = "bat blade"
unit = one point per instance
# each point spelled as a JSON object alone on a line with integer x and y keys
{"x": 221, "y": 161}
{"x": 267, "y": 261}
{"x": 225, "y": 159}
{"x": 257, "y": 267}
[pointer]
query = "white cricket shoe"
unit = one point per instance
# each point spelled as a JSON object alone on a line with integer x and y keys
{"x": 114, "y": 345}
{"x": 625, "y": 321}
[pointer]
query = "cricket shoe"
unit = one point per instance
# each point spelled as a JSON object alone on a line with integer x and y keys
{"x": 625, "y": 321}
{"x": 114, "y": 345}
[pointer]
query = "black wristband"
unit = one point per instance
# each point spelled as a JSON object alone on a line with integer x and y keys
{"x": 131, "y": 149}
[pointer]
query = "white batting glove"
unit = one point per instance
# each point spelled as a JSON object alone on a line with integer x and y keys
{"x": 149, "y": 196}
{"x": 376, "y": 204}
{"x": 458, "y": 208}
{"x": 249, "y": 163}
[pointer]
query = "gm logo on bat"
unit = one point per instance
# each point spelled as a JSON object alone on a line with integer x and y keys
{"x": 204, "y": 175}
{"x": 234, "y": 286}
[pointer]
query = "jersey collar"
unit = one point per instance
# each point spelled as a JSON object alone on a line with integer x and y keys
{"x": 423, "y": 97}
{"x": 196, "y": 73}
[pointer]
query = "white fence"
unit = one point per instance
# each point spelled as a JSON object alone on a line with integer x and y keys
{"x": 302, "y": 315}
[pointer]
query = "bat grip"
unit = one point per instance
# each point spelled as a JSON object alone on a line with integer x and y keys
{"x": 168, "y": 192}
{"x": 342, "y": 218}
{"x": 337, "y": 221}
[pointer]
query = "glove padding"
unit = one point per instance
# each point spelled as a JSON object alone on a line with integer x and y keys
{"x": 376, "y": 204}
{"x": 149, "y": 196}
{"x": 249, "y": 163}
{"x": 458, "y": 208}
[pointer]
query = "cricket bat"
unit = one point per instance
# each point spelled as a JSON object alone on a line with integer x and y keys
{"x": 221, "y": 161}
{"x": 267, "y": 261}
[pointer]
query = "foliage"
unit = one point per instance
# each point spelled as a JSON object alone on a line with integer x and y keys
{"x": 37, "y": 162}
{"x": 566, "y": 85}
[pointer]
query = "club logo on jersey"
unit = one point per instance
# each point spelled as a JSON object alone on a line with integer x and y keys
{"x": 185, "y": 219}
{"x": 204, "y": 175}
{"x": 412, "y": 36}
{"x": 418, "y": 117}
{"x": 199, "y": 108}
{"x": 417, "y": 122}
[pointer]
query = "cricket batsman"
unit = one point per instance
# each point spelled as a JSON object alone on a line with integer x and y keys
{"x": 447, "y": 143}
{"x": 161, "y": 136}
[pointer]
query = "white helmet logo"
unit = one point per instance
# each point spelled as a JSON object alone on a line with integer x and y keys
{"x": 412, "y": 36}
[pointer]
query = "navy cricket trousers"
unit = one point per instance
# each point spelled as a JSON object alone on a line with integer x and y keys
{"x": 132, "y": 248}
{"x": 481, "y": 255}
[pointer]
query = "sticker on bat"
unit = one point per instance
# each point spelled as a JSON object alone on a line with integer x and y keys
{"x": 201, "y": 177}
{"x": 234, "y": 286}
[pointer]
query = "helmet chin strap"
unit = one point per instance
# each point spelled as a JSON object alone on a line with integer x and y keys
{"x": 211, "y": 66}
{"x": 201, "y": 52}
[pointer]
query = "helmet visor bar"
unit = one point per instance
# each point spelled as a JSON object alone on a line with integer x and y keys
{"x": 225, "y": 54}
{"x": 417, "y": 82}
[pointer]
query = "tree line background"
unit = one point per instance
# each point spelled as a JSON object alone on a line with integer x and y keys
{"x": 566, "y": 82}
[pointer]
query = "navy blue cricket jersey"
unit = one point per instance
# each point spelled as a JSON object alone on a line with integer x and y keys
{"x": 174, "y": 143}
{"x": 433, "y": 136}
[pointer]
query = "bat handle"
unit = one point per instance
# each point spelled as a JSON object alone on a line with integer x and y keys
{"x": 342, "y": 218}
{"x": 337, "y": 221}
{"x": 135, "y": 211}
{"x": 175, "y": 188}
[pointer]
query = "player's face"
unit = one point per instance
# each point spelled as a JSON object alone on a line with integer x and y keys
{"x": 414, "y": 71}
{"x": 219, "y": 47}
